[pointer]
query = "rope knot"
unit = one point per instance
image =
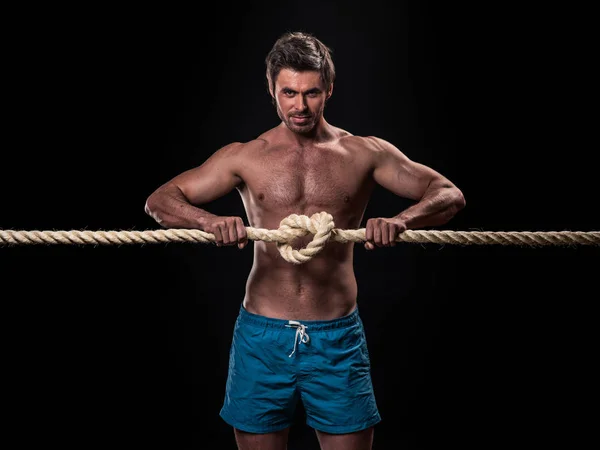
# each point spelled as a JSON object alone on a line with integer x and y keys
{"x": 320, "y": 224}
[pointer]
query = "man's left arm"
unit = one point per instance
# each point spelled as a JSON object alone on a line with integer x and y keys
{"x": 437, "y": 199}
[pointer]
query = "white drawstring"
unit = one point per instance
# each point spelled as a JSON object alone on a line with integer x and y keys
{"x": 301, "y": 334}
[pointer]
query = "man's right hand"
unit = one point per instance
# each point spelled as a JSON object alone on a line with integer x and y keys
{"x": 227, "y": 230}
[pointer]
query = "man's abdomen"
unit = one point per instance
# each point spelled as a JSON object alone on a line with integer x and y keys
{"x": 321, "y": 289}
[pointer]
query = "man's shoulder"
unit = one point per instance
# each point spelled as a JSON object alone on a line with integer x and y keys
{"x": 261, "y": 142}
{"x": 362, "y": 143}
{"x": 241, "y": 148}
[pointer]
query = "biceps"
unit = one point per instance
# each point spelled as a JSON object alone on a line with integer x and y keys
{"x": 405, "y": 178}
{"x": 207, "y": 182}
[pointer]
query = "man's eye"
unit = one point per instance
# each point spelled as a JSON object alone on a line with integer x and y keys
{"x": 288, "y": 93}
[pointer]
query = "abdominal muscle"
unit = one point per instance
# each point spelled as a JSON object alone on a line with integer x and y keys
{"x": 322, "y": 288}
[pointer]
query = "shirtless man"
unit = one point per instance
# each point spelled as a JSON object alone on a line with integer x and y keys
{"x": 298, "y": 336}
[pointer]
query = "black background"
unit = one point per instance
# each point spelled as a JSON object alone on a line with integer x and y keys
{"x": 127, "y": 346}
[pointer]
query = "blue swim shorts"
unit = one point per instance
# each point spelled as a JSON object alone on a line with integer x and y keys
{"x": 273, "y": 363}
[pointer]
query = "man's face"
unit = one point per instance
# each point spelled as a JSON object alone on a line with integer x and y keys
{"x": 300, "y": 99}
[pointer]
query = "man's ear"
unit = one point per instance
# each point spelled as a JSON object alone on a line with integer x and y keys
{"x": 330, "y": 91}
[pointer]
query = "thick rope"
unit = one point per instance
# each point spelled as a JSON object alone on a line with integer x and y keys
{"x": 321, "y": 225}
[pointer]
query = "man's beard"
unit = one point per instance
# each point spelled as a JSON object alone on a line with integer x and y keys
{"x": 304, "y": 128}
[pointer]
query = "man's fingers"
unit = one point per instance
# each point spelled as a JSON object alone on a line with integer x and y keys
{"x": 231, "y": 229}
{"x": 218, "y": 236}
{"x": 369, "y": 235}
{"x": 385, "y": 234}
{"x": 242, "y": 236}
{"x": 377, "y": 236}
{"x": 369, "y": 231}
{"x": 224, "y": 233}
{"x": 392, "y": 236}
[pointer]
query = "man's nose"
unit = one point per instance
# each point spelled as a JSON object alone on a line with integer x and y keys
{"x": 300, "y": 103}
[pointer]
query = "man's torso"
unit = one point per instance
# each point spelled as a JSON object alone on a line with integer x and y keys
{"x": 279, "y": 179}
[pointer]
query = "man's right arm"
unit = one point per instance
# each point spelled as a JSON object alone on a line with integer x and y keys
{"x": 175, "y": 204}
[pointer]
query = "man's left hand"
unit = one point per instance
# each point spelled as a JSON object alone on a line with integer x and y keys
{"x": 382, "y": 232}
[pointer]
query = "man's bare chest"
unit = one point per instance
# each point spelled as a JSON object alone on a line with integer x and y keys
{"x": 327, "y": 179}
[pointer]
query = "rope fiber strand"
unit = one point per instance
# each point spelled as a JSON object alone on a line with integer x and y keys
{"x": 321, "y": 225}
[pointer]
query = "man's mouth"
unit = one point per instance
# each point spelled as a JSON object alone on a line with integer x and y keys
{"x": 300, "y": 118}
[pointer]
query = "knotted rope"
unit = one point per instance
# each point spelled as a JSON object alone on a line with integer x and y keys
{"x": 321, "y": 225}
